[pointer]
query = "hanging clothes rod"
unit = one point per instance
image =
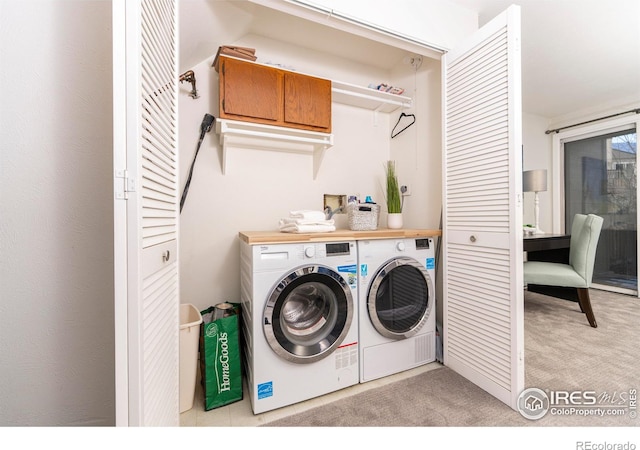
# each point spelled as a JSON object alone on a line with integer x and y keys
{"x": 557, "y": 130}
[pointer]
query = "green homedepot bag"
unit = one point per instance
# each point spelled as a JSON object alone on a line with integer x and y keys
{"x": 220, "y": 363}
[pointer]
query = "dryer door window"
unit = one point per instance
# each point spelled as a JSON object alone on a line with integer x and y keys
{"x": 399, "y": 299}
{"x": 308, "y": 314}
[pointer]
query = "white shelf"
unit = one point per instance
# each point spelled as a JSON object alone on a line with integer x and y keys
{"x": 365, "y": 97}
{"x": 247, "y": 135}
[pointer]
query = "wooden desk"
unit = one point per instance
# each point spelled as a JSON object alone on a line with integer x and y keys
{"x": 547, "y": 247}
{"x": 551, "y": 248}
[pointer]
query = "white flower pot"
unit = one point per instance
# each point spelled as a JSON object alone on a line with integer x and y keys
{"x": 394, "y": 220}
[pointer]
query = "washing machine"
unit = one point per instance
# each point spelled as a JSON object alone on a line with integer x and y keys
{"x": 300, "y": 321}
{"x": 397, "y": 312}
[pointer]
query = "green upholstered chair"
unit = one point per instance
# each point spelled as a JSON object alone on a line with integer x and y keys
{"x": 585, "y": 232}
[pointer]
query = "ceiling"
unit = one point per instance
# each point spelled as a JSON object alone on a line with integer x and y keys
{"x": 578, "y": 56}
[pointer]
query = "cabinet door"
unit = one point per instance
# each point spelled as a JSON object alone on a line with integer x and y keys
{"x": 250, "y": 90}
{"x": 482, "y": 209}
{"x": 307, "y": 101}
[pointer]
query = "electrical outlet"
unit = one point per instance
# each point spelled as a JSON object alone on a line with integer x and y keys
{"x": 405, "y": 191}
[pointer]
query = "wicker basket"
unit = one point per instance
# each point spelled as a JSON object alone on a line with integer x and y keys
{"x": 360, "y": 219}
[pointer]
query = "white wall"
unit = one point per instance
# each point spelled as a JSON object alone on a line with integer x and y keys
{"x": 56, "y": 313}
{"x": 261, "y": 187}
{"x": 418, "y": 149}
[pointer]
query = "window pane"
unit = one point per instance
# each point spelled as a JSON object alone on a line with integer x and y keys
{"x": 600, "y": 178}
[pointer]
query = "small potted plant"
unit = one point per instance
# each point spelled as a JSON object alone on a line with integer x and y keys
{"x": 394, "y": 199}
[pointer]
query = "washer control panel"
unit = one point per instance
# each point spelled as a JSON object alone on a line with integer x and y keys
{"x": 322, "y": 250}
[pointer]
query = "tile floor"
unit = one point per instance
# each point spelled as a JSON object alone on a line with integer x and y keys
{"x": 239, "y": 414}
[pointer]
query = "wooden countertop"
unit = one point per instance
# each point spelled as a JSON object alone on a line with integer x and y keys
{"x": 277, "y": 237}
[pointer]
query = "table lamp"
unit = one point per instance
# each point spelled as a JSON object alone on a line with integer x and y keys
{"x": 535, "y": 181}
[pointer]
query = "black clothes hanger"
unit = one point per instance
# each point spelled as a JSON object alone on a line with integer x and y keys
{"x": 394, "y": 133}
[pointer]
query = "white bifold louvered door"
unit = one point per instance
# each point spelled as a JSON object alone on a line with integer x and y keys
{"x": 146, "y": 212}
{"x": 482, "y": 209}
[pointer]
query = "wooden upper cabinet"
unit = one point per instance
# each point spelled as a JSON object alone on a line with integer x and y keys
{"x": 253, "y": 92}
{"x": 307, "y": 101}
{"x": 250, "y": 91}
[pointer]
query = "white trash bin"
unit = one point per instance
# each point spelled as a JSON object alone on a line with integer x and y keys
{"x": 190, "y": 320}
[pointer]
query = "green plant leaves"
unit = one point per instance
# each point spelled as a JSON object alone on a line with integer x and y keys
{"x": 394, "y": 200}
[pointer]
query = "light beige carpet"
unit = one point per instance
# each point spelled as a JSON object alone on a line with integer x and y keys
{"x": 562, "y": 352}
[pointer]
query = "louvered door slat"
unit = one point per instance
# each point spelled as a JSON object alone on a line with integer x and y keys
{"x": 159, "y": 207}
{"x": 154, "y": 49}
{"x": 482, "y": 210}
{"x": 482, "y": 55}
{"x": 154, "y": 20}
{"x": 157, "y": 103}
{"x": 479, "y": 78}
{"x": 161, "y": 157}
{"x": 158, "y": 136}
{"x": 159, "y": 178}
{"x": 489, "y": 122}
{"x": 155, "y": 29}
{"x": 491, "y": 97}
{"x": 156, "y": 195}
{"x": 463, "y": 163}
{"x": 482, "y": 148}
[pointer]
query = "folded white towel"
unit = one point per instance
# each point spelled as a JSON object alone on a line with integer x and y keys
{"x": 306, "y": 221}
{"x": 307, "y": 214}
{"x": 309, "y": 228}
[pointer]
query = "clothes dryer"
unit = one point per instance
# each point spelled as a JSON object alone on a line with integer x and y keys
{"x": 300, "y": 322}
{"x": 397, "y": 305}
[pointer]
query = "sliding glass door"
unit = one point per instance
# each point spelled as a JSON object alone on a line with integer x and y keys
{"x": 600, "y": 177}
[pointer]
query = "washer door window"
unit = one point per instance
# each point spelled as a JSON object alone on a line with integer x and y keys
{"x": 308, "y": 314}
{"x": 399, "y": 300}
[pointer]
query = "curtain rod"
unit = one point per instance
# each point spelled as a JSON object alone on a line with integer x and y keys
{"x": 637, "y": 111}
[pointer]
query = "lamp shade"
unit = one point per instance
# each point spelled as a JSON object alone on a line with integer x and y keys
{"x": 534, "y": 180}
